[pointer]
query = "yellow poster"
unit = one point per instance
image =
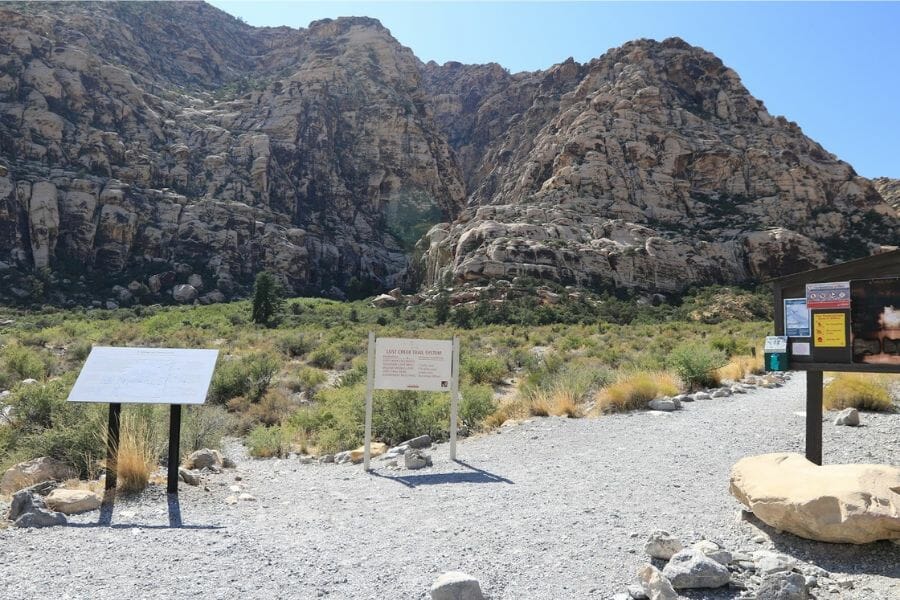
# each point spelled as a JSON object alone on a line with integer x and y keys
{"x": 830, "y": 330}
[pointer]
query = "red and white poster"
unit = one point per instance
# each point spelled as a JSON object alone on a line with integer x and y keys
{"x": 834, "y": 295}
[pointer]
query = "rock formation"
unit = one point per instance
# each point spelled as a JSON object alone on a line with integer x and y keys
{"x": 142, "y": 144}
{"x": 889, "y": 190}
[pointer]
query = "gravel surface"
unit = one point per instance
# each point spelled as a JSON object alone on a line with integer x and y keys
{"x": 551, "y": 509}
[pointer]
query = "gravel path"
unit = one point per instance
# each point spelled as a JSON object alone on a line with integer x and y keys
{"x": 552, "y": 509}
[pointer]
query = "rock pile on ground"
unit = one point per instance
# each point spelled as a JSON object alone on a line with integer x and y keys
{"x": 34, "y": 471}
{"x": 28, "y": 509}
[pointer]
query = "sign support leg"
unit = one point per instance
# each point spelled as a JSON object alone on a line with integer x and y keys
{"x": 454, "y": 398}
{"x": 112, "y": 443}
{"x": 174, "y": 447}
{"x": 370, "y": 384}
{"x": 814, "y": 416}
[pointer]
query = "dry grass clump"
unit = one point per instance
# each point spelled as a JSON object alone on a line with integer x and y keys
{"x": 136, "y": 457}
{"x": 864, "y": 392}
{"x": 560, "y": 401}
{"x": 739, "y": 367}
{"x": 633, "y": 390}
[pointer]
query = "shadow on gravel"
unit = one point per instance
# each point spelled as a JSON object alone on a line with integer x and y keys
{"x": 174, "y": 507}
{"x": 877, "y": 558}
{"x": 475, "y": 475}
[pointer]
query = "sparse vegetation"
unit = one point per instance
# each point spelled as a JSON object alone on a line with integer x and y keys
{"x": 860, "y": 391}
{"x": 697, "y": 365}
{"x": 634, "y": 390}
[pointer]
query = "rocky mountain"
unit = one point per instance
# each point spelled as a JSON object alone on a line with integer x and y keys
{"x": 889, "y": 190}
{"x": 151, "y": 151}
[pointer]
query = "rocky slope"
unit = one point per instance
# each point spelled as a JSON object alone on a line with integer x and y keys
{"x": 889, "y": 190}
{"x": 152, "y": 145}
{"x": 651, "y": 167}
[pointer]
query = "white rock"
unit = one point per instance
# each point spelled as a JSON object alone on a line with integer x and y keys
{"x": 712, "y": 550}
{"x": 663, "y": 404}
{"x": 691, "y": 568}
{"x": 455, "y": 585}
{"x": 656, "y": 585}
{"x": 662, "y": 545}
{"x": 848, "y": 416}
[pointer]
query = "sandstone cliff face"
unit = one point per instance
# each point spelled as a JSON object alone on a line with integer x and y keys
{"x": 137, "y": 138}
{"x": 651, "y": 167}
{"x": 145, "y": 146}
{"x": 889, "y": 190}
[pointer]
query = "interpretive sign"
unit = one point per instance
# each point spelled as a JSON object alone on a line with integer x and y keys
{"x": 411, "y": 364}
{"x": 796, "y": 317}
{"x": 145, "y": 376}
{"x": 406, "y": 364}
{"x": 852, "y": 320}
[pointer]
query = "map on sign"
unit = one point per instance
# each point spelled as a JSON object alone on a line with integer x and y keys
{"x": 407, "y": 364}
{"x": 145, "y": 376}
{"x": 796, "y": 317}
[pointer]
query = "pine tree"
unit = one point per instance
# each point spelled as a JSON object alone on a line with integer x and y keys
{"x": 268, "y": 299}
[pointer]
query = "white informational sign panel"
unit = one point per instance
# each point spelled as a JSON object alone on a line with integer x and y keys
{"x": 145, "y": 376}
{"x": 407, "y": 364}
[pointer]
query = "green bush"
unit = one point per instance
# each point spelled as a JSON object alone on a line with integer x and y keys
{"x": 266, "y": 442}
{"x": 248, "y": 376}
{"x": 296, "y": 344}
{"x": 24, "y": 362}
{"x": 475, "y": 404}
{"x": 696, "y": 364}
{"x": 484, "y": 369}
{"x": 324, "y": 357}
{"x": 204, "y": 427}
{"x": 268, "y": 299}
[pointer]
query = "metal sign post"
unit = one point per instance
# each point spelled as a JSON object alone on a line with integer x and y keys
{"x": 412, "y": 364}
{"x": 144, "y": 376}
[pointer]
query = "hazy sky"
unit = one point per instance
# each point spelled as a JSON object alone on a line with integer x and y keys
{"x": 834, "y": 68}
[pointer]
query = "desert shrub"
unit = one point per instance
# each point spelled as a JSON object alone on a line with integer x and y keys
{"x": 268, "y": 441}
{"x": 324, "y": 357}
{"x": 137, "y": 455}
{"x": 268, "y": 299}
{"x": 356, "y": 374}
{"x": 248, "y": 376}
{"x": 476, "y": 403}
{"x": 296, "y": 344}
{"x": 307, "y": 379}
{"x": 204, "y": 427}
{"x": 864, "y": 392}
{"x": 24, "y": 362}
{"x": 696, "y": 364}
{"x": 633, "y": 390}
{"x": 739, "y": 367}
{"x": 79, "y": 350}
{"x": 484, "y": 368}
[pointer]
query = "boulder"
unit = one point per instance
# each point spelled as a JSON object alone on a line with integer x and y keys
{"x": 71, "y": 502}
{"x": 636, "y": 592}
{"x": 184, "y": 293}
{"x": 41, "y": 517}
{"x": 854, "y": 504}
{"x": 384, "y": 301}
{"x": 204, "y": 459}
{"x": 701, "y": 396}
{"x": 848, "y": 416}
{"x": 455, "y": 585}
{"x": 690, "y": 569}
{"x": 662, "y": 545}
{"x": 375, "y": 449}
{"x": 655, "y": 584}
{"x": 767, "y": 563}
{"x": 783, "y": 586}
{"x": 29, "y": 510}
{"x": 34, "y": 471}
{"x": 423, "y": 441}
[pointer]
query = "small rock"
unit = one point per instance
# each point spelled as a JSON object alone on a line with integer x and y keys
{"x": 621, "y": 596}
{"x": 70, "y": 502}
{"x": 29, "y": 381}
{"x": 637, "y": 592}
{"x": 713, "y": 551}
{"x": 721, "y": 393}
{"x": 423, "y": 441}
{"x": 848, "y": 416}
{"x": 783, "y": 586}
{"x": 306, "y": 459}
{"x": 41, "y": 517}
{"x": 231, "y": 500}
{"x": 662, "y": 545}
{"x": 767, "y": 563}
{"x": 664, "y": 404}
{"x": 247, "y": 497}
{"x": 455, "y": 585}
{"x": 342, "y": 457}
{"x": 227, "y": 463}
{"x": 188, "y": 477}
{"x": 702, "y": 396}
{"x": 691, "y": 568}
{"x": 416, "y": 459}
{"x": 737, "y": 389}
{"x": 656, "y": 585}
{"x": 326, "y": 458}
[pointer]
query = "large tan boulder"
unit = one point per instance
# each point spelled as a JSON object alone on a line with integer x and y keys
{"x": 376, "y": 449}
{"x": 34, "y": 471}
{"x": 70, "y": 502}
{"x": 854, "y": 504}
